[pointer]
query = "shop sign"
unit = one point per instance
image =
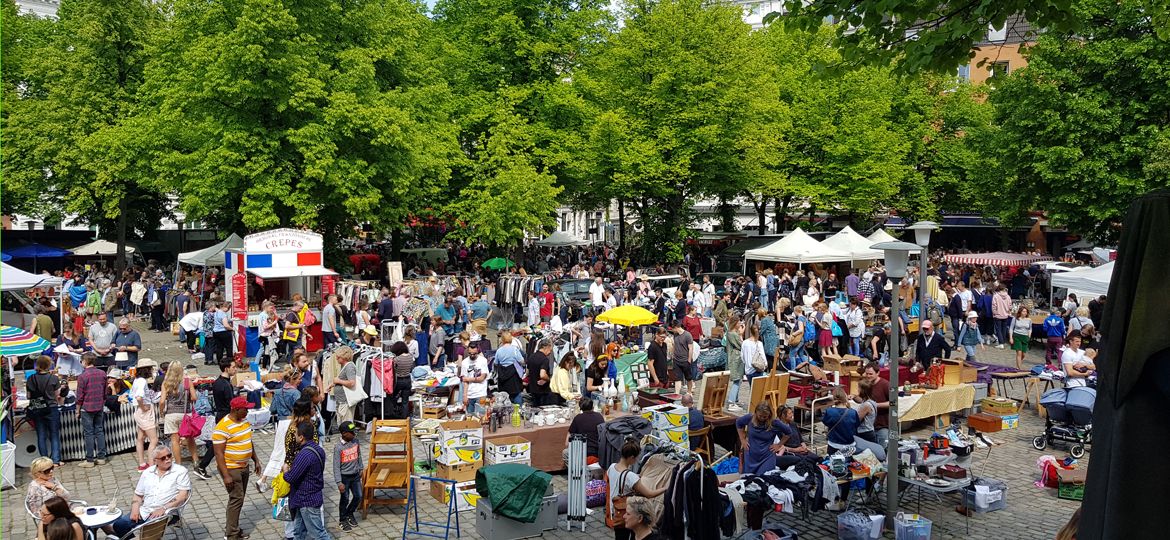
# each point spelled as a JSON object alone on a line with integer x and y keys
{"x": 260, "y": 281}
{"x": 328, "y": 286}
{"x": 239, "y": 296}
{"x": 283, "y": 240}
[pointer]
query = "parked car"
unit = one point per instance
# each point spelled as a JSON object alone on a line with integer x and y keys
{"x": 577, "y": 289}
{"x": 719, "y": 279}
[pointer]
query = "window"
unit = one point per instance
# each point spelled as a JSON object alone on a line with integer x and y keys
{"x": 997, "y": 35}
{"x": 999, "y": 68}
{"x": 564, "y": 222}
{"x": 965, "y": 72}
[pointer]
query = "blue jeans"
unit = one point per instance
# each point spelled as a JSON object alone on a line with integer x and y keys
{"x": 94, "y": 433}
{"x": 209, "y": 347}
{"x": 733, "y": 392}
{"x": 797, "y": 354}
{"x": 126, "y": 307}
{"x": 352, "y": 496}
{"x": 47, "y": 422}
{"x": 308, "y": 523}
{"x": 123, "y": 524}
{"x": 441, "y": 362}
{"x": 970, "y": 350}
{"x": 855, "y": 346}
{"x": 708, "y": 313}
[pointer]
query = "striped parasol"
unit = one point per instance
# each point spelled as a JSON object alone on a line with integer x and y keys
{"x": 17, "y": 342}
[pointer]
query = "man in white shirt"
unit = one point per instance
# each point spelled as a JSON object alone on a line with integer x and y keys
{"x": 161, "y": 486}
{"x": 473, "y": 371}
{"x": 1076, "y": 365}
{"x": 597, "y": 292}
{"x": 699, "y": 300}
{"x": 329, "y": 321}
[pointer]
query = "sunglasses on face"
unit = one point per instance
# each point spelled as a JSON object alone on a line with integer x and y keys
{"x": 163, "y": 458}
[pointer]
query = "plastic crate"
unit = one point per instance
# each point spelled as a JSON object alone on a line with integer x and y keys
{"x": 999, "y": 502}
{"x": 911, "y": 527}
{"x": 1075, "y": 492}
{"x": 783, "y": 532}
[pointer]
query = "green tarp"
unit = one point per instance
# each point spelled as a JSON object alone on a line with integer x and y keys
{"x": 623, "y": 367}
{"x": 515, "y": 490}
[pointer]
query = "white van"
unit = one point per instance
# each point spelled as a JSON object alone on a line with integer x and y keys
{"x": 16, "y": 310}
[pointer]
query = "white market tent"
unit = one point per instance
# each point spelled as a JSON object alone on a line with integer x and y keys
{"x": 880, "y": 236}
{"x": 797, "y": 247}
{"x": 559, "y": 239}
{"x": 100, "y": 248}
{"x": 849, "y": 241}
{"x": 212, "y": 256}
{"x": 15, "y": 279}
{"x": 1094, "y": 280}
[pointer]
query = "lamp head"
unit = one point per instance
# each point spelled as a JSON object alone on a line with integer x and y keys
{"x": 897, "y": 255}
{"x": 922, "y": 231}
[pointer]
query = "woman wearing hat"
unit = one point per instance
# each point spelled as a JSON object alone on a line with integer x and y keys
{"x": 145, "y": 400}
{"x": 368, "y": 335}
{"x": 969, "y": 335}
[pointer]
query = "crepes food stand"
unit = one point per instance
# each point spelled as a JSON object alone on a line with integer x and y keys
{"x": 286, "y": 263}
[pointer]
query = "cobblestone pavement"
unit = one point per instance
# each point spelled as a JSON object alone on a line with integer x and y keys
{"x": 1032, "y": 512}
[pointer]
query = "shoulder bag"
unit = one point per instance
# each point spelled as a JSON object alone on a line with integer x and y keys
{"x": 759, "y": 362}
{"x": 192, "y": 424}
{"x": 354, "y": 395}
{"x": 619, "y": 502}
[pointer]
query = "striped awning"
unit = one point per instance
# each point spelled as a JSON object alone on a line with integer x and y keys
{"x": 997, "y": 258}
{"x": 17, "y": 342}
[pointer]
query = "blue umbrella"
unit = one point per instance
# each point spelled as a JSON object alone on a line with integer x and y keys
{"x": 4, "y": 257}
{"x": 37, "y": 251}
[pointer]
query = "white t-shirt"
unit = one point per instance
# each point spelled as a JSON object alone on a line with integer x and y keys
{"x": 142, "y": 393}
{"x": 1069, "y": 358}
{"x": 192, "y": 322}
{"x": 967, "y": 298}
{"x": 326, "y": 323}
{"x": 615, "y": 476}
{"x": 474, "y": 367}
{"x": 597, "y": 293}
{"x": 747, "y": 351}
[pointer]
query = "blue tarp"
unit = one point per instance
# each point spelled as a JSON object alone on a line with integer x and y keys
{"x": 36, "y": 251}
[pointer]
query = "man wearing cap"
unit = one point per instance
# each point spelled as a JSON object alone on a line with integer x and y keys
{"x": 232, "y": 441}
{"x": 930, "y": 345}
{"x": 347, "y": 472}
{"x": 109, "y": 301}
{"x": 481, "y": 313}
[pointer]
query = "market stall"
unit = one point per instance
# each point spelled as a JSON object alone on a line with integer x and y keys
{"x": 286, "y": 264}
{"x": 857, "y": 246}
{"x": 796, "y": 248}
{"x": 214, "y": 255}
{"x": 933, "y": 403}
{"x": 997, "y": 258}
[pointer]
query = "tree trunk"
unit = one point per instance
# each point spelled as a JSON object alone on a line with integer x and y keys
{"x": 781, "y": 210}
{"x": 761, "y": 211}
{"x": 396, "y": 242}
{"x": 120, "y": 263}
{"x": 621, "y": 226}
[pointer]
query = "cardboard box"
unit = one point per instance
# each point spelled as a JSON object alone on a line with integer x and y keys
{"x": 459, "y": 442}
{"x": 999, "y": 406}
{"x": 460, "y": 429}
{"x": 242, "y": 376}
{"x": 466, "y": 496}
{"x": 671, "y": 417}
{"x": 508, "y": 450}
{"x": 463, "y": 472}
{"x": 1010, "y": 421}
{"x": 678, "y": 437}
{"x": 457, "y": 455}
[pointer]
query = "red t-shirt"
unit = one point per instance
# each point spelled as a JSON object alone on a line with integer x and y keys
{"x": 692, "y": 325}
{"x": 881, "y": 393}
{"x": 547, "y": 309}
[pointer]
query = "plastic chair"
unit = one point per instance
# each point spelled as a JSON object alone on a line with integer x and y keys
{"x": 150, "y": 530}
{"x": 174, "y": 517}
{"x": 36, "y": 514}
{"x": 704, "y": 446}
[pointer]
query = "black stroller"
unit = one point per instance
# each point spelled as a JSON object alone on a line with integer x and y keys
{"x": 1070, "y": 418}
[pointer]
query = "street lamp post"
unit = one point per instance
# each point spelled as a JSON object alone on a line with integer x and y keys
{"x": 897, "y": 255}
{"x": 922, "y": 231}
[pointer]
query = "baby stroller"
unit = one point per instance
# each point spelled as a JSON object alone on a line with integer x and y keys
{"x": 1070, "y": 418}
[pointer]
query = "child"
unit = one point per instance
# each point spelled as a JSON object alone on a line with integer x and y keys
{"x": 347, "y": 469}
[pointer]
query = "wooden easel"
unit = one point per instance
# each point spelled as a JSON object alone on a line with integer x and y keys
{"x": 772, "y": 388}
{"x": 715, "y": 393}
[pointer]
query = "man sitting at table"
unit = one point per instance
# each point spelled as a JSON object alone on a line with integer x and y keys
{"x": 162, "y": 486}
{"x": 697, "y": 420}
{"x": 585, "y": 424}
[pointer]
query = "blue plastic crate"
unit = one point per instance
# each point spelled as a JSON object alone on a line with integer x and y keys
{"x": 911, "y": 527}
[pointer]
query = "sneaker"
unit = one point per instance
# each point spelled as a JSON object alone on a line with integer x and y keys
{"x": 201, "y": 473}
{"x": 345, "y": 526}
{"x": 85, "y": 465}
{"x": 99, "y": 461}
{"x": 734, "y": 407}
{"x": 143, "y": 467}
{"x": 260, "y": 485}
{"x": 353, "y": 520}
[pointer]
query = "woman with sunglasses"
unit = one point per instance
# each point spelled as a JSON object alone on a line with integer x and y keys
{"x": 44, "y": 486}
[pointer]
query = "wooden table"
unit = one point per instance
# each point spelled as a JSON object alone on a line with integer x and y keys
{"x": 547, "y": 441}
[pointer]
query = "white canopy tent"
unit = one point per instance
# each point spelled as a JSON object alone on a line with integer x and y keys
{"x": 849, "y": 241}
{"x": 101, "y": 248}
{"x": 1094, "y": 280}
{"x": 880, "y": 236}
{"x": 212, "y": 256}
{"x": 559, "y": 239}
{"x": 15, "y": 279}
{"x": 797, "y": 247}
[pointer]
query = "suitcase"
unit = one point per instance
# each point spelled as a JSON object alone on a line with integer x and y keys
{"x": 985, "y": 423}
{"x": 951, "y": 471}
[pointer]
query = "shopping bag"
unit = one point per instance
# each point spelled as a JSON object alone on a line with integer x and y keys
{"x": 281, "y": 511}
{"x": 280, "y": 488}
{"x": 354, "y": 395}
{"x": 192, "y": 425}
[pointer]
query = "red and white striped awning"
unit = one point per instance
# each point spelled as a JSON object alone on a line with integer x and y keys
{"x": 997, "y": 258}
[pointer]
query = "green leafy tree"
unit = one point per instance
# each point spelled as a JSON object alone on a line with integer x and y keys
{"x": 81, "y": 94}
{"x": 676, "y": 95}
{"x": 22, "y": 38}
{"x": 1078, "y": 130}
{"x": 298, "y": 113}
{"x": 926, "y": 36}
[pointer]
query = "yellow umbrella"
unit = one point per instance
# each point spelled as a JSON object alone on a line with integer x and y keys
{"x": 628, "y": 315}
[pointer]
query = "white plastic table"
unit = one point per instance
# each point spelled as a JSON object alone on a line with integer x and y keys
{"x": 100, "y": 519}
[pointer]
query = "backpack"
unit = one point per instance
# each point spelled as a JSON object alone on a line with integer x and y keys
{"x": 955, "y": 308}
{"x": 934, "y": 314}
{"x": 810, "y": 331}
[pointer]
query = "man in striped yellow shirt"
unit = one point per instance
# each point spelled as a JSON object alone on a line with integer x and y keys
{"x": 232, "y": 442}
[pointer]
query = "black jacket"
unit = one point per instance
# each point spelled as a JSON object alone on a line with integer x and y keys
{"x": 937, "y": 347}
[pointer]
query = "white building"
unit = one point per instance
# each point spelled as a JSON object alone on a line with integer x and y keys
{"x": 41, "y": 8}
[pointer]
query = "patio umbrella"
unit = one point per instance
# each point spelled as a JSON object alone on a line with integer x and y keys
{"x": 18, "y": 342}
{"x": 4, "y": 257}
{"x": 628, "y": 315}
{"x": 498, "y": 263}
{"x": 34, "y": 252}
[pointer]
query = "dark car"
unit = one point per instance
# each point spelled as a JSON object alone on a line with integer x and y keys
{"x": 577, "y": 289}
{"x": 718, "y": 279}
